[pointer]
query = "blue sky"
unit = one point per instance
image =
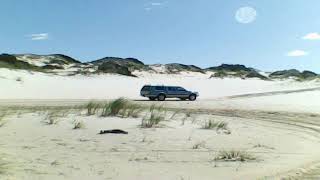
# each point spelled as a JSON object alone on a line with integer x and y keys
{"x": 201, "y": 32}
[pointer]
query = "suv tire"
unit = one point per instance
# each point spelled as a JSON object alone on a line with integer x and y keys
{"x": 161, "y": 97}
{"x": 192, "y": 97}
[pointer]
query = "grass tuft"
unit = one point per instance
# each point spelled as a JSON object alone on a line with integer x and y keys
{"x": 121, "y": 107}
{"x": 131, "y": 110}
{"x": 78, "y": 125}
{"x": 52, "y": 117}
{"x": 175, "y": 112}
{"x": 217, "y": 125}
{"x": 92, "y": 108}
{"x": 199, "y": 145}
{"x": 2, "y": 121}
{"x": 234, "y": 155}
{"x": 157, "y": 114}
{"x": 4, "y": 166}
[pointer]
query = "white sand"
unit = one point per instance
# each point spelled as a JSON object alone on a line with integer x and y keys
{"x": 43, "y": 86}
{"x": 40, "y": 151}
{"x": 276, "y": 128}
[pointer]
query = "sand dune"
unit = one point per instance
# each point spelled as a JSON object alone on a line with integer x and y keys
{"x": 27, "y": 85}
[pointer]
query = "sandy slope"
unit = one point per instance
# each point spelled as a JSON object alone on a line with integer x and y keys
{"x": 46, "y": 86}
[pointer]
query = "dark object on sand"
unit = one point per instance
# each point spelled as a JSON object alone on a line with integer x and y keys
{"x": 113, "y": 131}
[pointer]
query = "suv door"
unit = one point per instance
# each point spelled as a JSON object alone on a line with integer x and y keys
{"x": 159, "y": 89}
{"x": 172, "y": 92}
{"x": 181, "y": 92}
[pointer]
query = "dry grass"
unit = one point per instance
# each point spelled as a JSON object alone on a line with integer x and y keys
{"x": 199, "y": 145}
{"x": 234, "y": 155}
{"x": 131, "y": 110}
{"x": 262, "y": 146}
{"x": 2, "y": 168}
{"x": 121, "y": 107}
{"x": 78, "y": 125}
{"x": 2, "y": 120}
{"x": 176, "y": 112}
{"x": 3, "y": 165}
{"x": 217, "y": 125}
{"x": 52, "y": 117}
{"x": 92, "y": 108}
{"x": 188, "y": 114}
{"x": 211, "y": 124}
{"x": 113, "y": 108}
{"x": 155, "y": 116}
{"x": 4, "y": 113}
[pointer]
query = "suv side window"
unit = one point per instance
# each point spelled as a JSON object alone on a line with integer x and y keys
{"x": 159, "y": 88}
{"x": 172, "y": 89}
{"x": 181, "y": 89}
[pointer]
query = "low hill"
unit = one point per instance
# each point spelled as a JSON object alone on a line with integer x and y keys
{"x": 177, "y": 68}
{"x": 64, "y": 65}
{"x": 293, "y": 73}
{"x": 43, "y": 60}
{"x": 235, "y": 71}
{"x": 113, "y": 67}
{"x": 131, "y": 63}
{"x": 11, "y": 62}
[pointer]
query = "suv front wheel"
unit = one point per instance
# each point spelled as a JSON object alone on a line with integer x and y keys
{"x": 161, "y": 97}
{"x": 192, "y": 97}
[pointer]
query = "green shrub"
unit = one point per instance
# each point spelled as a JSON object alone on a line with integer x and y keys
{"x": 112, "y": 67}
{"x": 219, "y": 74}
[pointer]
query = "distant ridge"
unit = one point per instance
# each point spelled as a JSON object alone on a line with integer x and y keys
{"x": 65, "y": 65}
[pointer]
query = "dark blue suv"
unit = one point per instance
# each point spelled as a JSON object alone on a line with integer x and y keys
{"x": 162, "y": 92}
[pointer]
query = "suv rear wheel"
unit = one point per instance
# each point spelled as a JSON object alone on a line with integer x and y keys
{"x": 192, "y": 97}
{"x": 161, "y": 97}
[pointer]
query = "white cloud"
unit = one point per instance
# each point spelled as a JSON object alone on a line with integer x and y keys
{"x": 38, "y": 37}
{"x": 149, "y": 6}
{"x": 156, "y": 4}
{"x": 297, "y": 53}
{"x": 312, "y": 36}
